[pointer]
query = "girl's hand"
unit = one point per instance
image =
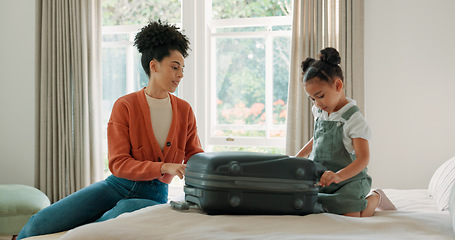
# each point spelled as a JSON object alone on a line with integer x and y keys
{"x": 173, "y": 169}
{"x": 328, "y": 178}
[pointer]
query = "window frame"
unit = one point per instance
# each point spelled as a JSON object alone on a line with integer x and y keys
{"x": 268, "y": 35}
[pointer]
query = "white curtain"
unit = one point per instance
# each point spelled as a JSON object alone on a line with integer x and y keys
{"x": 68, "y": 80}
{"x": 352, "y": 49}
{"x": 318, "y": 24}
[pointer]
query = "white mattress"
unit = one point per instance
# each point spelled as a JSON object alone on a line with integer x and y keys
{"x": 417, "y": 218}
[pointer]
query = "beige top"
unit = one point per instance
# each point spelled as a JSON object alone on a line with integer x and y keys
{"x": 161, "y": 115}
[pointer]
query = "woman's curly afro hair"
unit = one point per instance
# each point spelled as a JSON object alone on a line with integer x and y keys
{"x": 157, "y": 39}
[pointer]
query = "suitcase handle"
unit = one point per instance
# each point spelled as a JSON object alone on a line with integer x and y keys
{"x": 192, "y": 191}
{"x": 180, "y": 205}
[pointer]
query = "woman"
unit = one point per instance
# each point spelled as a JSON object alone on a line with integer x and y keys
{"x": 151, "y": 135}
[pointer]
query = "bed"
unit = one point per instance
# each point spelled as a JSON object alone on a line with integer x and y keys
{"x": 421, "y": 214}
{"x": 417, "y": 217}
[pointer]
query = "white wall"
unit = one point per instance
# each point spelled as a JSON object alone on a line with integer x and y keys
{"x": 17, "y": 91}
{"x": 409, "y": 63}
{"x": 410, "y": 89}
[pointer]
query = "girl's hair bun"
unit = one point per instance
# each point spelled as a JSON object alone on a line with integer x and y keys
{"x": 307, "y": 63}
{"x": 330, "y": 56}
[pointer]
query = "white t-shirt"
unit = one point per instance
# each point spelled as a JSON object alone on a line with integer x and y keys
{"x": 355, "y": 127}
{"x": 161, "y": 115}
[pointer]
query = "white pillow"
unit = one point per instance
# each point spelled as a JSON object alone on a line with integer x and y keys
{"x": 452, "y": 206}
{"x": 441, "y": 184}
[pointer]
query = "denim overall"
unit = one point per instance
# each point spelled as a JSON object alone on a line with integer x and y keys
{"x": 329, "y": 150}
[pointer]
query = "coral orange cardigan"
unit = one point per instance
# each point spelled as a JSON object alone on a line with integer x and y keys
{"x": 133, "y": 151}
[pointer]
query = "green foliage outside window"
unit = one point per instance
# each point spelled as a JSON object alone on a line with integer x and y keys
{"x": 135, "y": 12}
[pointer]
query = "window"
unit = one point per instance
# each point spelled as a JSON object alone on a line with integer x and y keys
{"x": 249, "y": 74}
{"x": 236, "y": 76}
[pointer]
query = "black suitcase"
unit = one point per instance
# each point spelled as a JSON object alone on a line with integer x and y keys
{"x": 252, "y": 183}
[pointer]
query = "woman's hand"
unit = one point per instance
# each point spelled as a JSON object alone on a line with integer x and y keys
{"x": 173, "y": 169}
{"x": 328, "y": 178}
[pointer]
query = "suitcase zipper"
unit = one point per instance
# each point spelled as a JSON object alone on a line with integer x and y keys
{"x": 271, "y": 184}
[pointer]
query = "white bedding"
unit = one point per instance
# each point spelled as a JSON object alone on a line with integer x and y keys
{"x": 417, "y": 218}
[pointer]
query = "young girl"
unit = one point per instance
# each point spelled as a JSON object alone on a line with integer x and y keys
{"x": 151, "y": 135}
{"x": 340, "y": 141}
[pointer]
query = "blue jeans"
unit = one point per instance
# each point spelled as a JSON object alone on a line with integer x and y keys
{"x": 98, "y": 202}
